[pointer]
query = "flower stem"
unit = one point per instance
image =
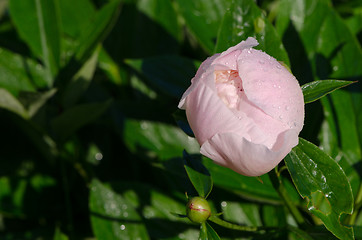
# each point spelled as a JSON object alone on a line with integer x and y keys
{"x": 233, "y": 226}
{"x": 357, "y": 206}
{"x": 279, "y": 187}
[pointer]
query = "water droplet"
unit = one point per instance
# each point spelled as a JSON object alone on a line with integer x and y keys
{"x": 223, "y": 204}
{"x": 279, "y": 67}
{"x": 226, "y": 63}
{"x": 98, "y": 156}
{"x": 280, "y": 117}
{"x": 286, "y": 108}
{"x": 259, "y": 83}
{"x": 122, "y": 227}
{"x": 279, "y": 87}
{"x": 279, "y": 107}
{"x": 124, "y": 207}
{"x": 261, "y": 61}
{"x": 335, "y": 68}
{"x": 274, "y": 85}
{"x": 125, "y": 214}
{"x": 249, "y": 51}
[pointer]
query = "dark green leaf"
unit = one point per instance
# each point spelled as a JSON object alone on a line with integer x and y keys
{"x": 244, "y": 19}
{"x": 75, "y": 16}
{"x": 18, "y": 73}
{"x": 156, "y": 208}
{"x": 198, "y": 175}
{"x": 113, "y": 216}
{"x": 164, "y": 14}
{"x": 76, "y": 117}
{"x": 97, "y": 30}
{"x": 38, "y": 23}
{"x": 168, "y": 74}
{"x": 9, "y": 102}
{"x": 248, "y": 187}
{"x": 58, "y": 235}
{"x": 80, "y": 81}
{"x": 203, "y": 19}
{"x": 165, "y": 140}
{"x": 317, "y": 89}
{"x": 34, "y": 101}
{"x": 322, "y": 181}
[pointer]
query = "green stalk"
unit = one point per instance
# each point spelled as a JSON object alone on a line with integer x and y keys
{"x": 233, "y": 226}
{"x": 279, "y": 187}
{"x": 357, "y": 206}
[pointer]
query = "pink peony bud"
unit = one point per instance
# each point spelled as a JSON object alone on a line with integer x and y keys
{"x": 245, "y": 109}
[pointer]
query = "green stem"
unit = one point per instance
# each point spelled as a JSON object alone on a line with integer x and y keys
{"x": 278, "y": 185}
{"x": 357, "y": 206}
{"x": 233, "y": 226}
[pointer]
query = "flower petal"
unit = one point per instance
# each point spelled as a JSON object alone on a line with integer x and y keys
{"x": 272, "y": 88}
{"x": 195, "y": 80}
{"x": 228, "y": 58}
{"x": 208, "y": 115}
{"x": 247, "y": 158}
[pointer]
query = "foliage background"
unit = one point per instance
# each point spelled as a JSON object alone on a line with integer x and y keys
{"x": 91, "y": 140}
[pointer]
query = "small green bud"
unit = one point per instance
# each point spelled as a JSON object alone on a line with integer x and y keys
{"x": 198, "y": 210}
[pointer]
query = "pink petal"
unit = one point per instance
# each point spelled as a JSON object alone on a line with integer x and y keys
{"x": 208, "y": 115}
{"x": 195, "y": 80}
{"x": 247, "y": 158}
{"x": 272, "y": 88}
{"x": 229, "y": 57}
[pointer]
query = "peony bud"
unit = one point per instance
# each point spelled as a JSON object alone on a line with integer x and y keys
{"x": 198, "y": 210}
{"x": 245, "y": 109}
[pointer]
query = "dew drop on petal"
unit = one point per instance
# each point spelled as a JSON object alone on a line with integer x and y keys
{"x": 122, "y": 227}
{"x": 261, "y": 61}
{"x": 223, "y": 204}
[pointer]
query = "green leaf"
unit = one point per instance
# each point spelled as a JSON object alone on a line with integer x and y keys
{"x": 9, "y": 102}
{"x": 113, "y": 216}
{"x": 243, "y": 213}
{"x": 76, "y": 16}
{"x": 58, "y": 235}
{"x": 317, "y": 89}
{"x": 247, "y": 187}
{"x": 162, "y": 140}
{"x": 76, "y": 117}
{"x": 322, "y": 181}
{"x": 97, "y": 30}
{"x": 169, "y": 74}
{"x": 34, "y": 101}
{"x": 38, "y": 23}
{"x": 156, "y": 208}
{"x": 198, "y": 175}
{"x": 207, "y": 232}
{"x": 80, "y": 81}
{"x": 244, "y": 19}
{"x": 163, "y": 13}
{"x": 203, "y": 19}
{"x": 18, "y": 73}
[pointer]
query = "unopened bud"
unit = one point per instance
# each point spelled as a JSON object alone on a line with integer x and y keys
{"x": 198, "y": 210}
